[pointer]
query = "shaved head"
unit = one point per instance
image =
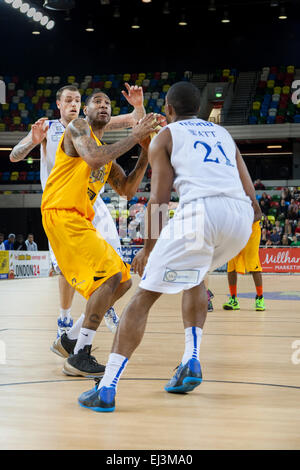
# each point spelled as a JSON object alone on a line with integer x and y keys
{"x": 184, "y": 97}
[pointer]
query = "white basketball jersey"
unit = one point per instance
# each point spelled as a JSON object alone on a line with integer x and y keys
{"x": 54, "y": 133}
{"x": 204, "y": 161}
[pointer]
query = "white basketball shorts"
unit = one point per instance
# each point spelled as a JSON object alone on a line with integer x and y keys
{"x": 202, "y": 236}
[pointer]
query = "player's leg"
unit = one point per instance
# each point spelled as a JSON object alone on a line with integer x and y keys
{"x": 81, "y": 363}
{"x": 66, "y": 295}
{"x": 127, "y": 338}
{"x": 259, "y": 300}
{"x": 233, "y": 303}
{"x": 194, "y": 311}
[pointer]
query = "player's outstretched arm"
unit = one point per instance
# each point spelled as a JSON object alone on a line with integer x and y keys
{"x": 79, "y": 133}
{"x": 124, "y": 185}
{"x": 248, "y": 185}
{"x": 161, "y": 186}
{"x": 135, "y": 97}
{"x": 36, "y": 136}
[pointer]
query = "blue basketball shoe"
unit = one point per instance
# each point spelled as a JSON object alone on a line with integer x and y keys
{"x": 111, "y": 320}
{"x": 63, "y": 326}
{"x": 102, "y": 400}
{"x": 186, "y": 378}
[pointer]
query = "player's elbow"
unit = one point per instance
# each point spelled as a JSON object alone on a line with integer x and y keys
{"x": 11, "y": 157}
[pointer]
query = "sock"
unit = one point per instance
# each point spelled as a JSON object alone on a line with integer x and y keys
{"x": 259, "y": 291}
{"x": 73, "y": 333}
{"x": 233, "y": 290}
{"x": 193, "y": 336}
{"x": 113, "y": 370}
{"x": 85, "y": 337}
{"x": 65, "y": 313}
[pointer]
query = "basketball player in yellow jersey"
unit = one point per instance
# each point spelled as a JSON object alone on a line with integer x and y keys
{"x": 246, "y": 261}
{"x": 86, "y": 260}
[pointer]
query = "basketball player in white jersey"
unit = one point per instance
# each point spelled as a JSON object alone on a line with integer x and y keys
{"x": 212, "y": 223}
{"x": 48, "y": 134}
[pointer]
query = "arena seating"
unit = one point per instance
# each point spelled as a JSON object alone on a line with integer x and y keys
{"x": 272, "y": 103}
{"x": 27, "y": 101}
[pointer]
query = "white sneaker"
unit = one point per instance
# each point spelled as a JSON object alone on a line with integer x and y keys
{"x": 111, "y": 320}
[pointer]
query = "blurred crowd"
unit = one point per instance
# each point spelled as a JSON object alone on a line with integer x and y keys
{"x": 18, "y": 243}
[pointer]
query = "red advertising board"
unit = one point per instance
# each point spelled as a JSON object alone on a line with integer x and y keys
{"x": 280, "y": 260}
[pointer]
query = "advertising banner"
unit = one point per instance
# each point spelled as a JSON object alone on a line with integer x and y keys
{"x": 24, "y": 264}
{"x": 280, "y": 260}
{"x": 4, "y": 264}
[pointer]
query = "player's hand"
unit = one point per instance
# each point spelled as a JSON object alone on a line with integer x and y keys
{"x": 39, "y": 131}
{"x": 158, "y": 125}
{"x": 135, "y": 95}
{"x": 139, "y": 262}
{"x": 144, "y": 128}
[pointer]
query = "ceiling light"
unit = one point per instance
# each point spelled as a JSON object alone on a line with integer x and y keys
{"x": 225, "y": 18}
{"x": 31, "y": 12}
{"x": 212, "y": 5}
{"x": 282, "y": 15}
{"x": 25, "y": 7}
{"x": 9, "y": 1}
{"x": 59, "y": 4}
{"x": 90, "y": 28}
{"x": 44, "y": 20}
{"x": 17, "y": 4}
{"x": 146, "y": 1}
{"x": 182, "y": 21}
{"x": 274, "y": 146}
{"x": 50, "y": 25}
{"x": 135, "y": 24}
{"x": 5, "y": 148}
{"x": 36, "y": 32}
{"x": 38, "y": 16}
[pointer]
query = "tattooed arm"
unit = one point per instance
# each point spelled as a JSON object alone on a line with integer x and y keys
{"x": 78, "y": 138}
{"x": 128, "y": 185}
{"x": 36, "y": 136}
{"x": 135, "y": 97}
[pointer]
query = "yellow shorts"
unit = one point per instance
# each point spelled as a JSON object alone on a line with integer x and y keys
{"x": 248, "y": 259}
{"x": 84, "y": 257}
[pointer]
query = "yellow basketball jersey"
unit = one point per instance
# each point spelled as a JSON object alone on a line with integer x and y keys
{"x": 71, "y": 181}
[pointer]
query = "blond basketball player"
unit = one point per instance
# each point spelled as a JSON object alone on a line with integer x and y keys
{"x": 48, "y": 134}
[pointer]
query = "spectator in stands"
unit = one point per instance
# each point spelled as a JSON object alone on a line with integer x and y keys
{"x": 286, "y": 194}
{"x": 283, "y": 209}
{"x": 288, "y": 228}
{"x": 295, "y": 241}
{"x": 278, "y": 227}
{"x": 293, "y": 210}
{"x": 9, "y": 243}
{"x": 31, "y": 245}
{"x": 264, "y": 237}
{"x": 20, "y": 243}
{"x": 2, "y": 247}
{"x": 285, "y": 240}
{"x": 265, "y": 202}
{"x": 259, "y": 185}
{"x": 148, "y": 187}
{"x": 297, "y": 229}
{"x": 295, "y": 193}
{"x": 275, "y": 237}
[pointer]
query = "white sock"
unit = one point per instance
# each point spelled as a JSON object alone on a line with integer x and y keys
{"x": 73, "y": 333}
{"x": 65, "y": 313}
{"x": 193, "y": 336}
{"x": 114, "y": 369}
{"x": 85, "y": 337}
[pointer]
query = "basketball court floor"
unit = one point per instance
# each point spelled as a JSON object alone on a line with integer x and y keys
{"x": 249, "y": 398}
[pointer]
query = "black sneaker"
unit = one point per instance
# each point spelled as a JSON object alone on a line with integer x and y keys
{"x": 63, "y": 346}
{"x": 83, "y": 364}
{"x": 210, "y": 307}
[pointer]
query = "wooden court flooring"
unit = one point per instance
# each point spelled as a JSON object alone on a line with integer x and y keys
{"x": 249, "y": 399}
